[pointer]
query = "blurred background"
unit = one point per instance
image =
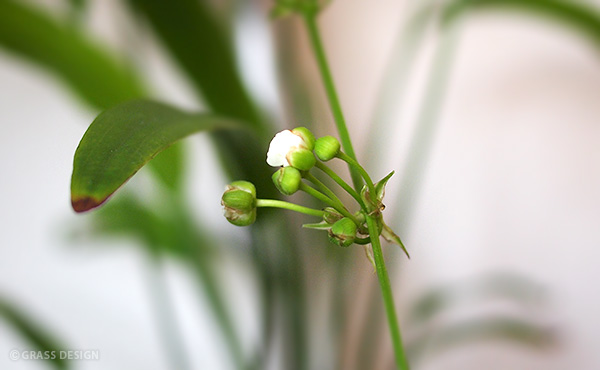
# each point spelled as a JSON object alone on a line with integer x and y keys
{"x": 489, "y": 117}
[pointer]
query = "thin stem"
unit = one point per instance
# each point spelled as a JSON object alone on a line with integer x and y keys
{"x": 336, "y": 109}
{"x": 354, "y": 163}
{"x": 325, "y": 199}
{"x": 386, "y": 292}
{"x": 273, "y": 203}
{"x": 362, "y": 241}
{"x": 324, "y": 189}
{"x": 343, "y": 184}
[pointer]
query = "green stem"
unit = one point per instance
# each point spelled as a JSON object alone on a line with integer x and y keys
{"x": 362, "y": 241}
{"x": 325, "y": 189}
{"x": 273, "y": 203}
{"x": 386, "y": 292}
{"x": 325, "y": 199}
{"x": 336, "y": 109}
{"x": 343, "y": 184}
{"x": 354, "y": 164}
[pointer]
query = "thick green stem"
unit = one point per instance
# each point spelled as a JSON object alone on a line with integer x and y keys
{"x": 273, "y": 203}
{"x": 386, "y": 292}
{"x": 343, "y": 184}
{"x": 336, "y": 109}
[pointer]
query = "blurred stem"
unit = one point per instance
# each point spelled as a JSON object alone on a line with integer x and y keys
{"x": 195, "y": 244}
{"x": 166, "y": 316}
{"x": 427, "y": 122}
{"x": 399, "y": 68}
{"x": 336, "y": 109}
{"x": 273, "y": 203}
{"x": 386, "y": 292}
{"x": 343, "y": 184}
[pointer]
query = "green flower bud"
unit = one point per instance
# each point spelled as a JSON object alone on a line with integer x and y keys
{"x": 287, "y": 180}
{"x": 307, "y": 136}
{"x": 331, "y": 215}
{"x": 302, "y": 159}
{"x": 239, "y": 203}
{"x": 247, "y": 186}
{"x": 326, "y": 148}
{"x": 343, "y": 232}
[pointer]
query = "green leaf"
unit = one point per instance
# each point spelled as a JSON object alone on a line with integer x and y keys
{"x": 37, "y": 336}
{"x": 380, "y": 186}
{"x": 86, "y": 68}
{"x": 390, "y": 236}
{"x": 124, "y": 138}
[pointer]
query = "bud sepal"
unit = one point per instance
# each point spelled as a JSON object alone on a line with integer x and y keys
{"x": 287, "y": 180}
{"x": 327, "y": 148}
{"x": 239, "y": 203}
{"x": 343, "y": 232}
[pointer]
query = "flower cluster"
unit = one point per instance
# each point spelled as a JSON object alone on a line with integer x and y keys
{"x": 296, "y": 152}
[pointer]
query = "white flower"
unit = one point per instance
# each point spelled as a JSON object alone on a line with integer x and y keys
{"x": 282, "y": 144}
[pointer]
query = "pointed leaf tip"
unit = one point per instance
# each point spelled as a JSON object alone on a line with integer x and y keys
{"x": 85, "y": 204}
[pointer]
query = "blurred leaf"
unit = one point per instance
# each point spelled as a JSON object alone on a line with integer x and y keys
{"x": 125, "y": 215}
{"x": 503, "y": 285}
{"x": 576, "y": 15}
{"x": 167, "y": 230}
{"x": 477, "y": 330}
{"x": 168, "y": 166}
{"x": 124, "y": 138}
{"x": 86, "y": 68}
{"x": 32, "y": 332}
{"x": 200, "y": 45}
{"x": 191, "y": 32}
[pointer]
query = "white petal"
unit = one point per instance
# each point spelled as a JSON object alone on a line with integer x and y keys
{"x": 276, "y": 160}
{"x": 280, "y": 146}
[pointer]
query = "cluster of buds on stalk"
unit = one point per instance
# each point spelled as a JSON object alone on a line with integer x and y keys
{"x": 297, "y": 153}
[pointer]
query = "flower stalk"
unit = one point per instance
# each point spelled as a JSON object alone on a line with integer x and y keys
{"x": 343, "y": 184}
{"x": 357, "y": 171}
{"x": 386, "y": 293}
{"x": 325, "y": 199}
{"x": 334, "y": 102}
{"x": 274, "y": 203}
{"x": 297, "y": 152}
